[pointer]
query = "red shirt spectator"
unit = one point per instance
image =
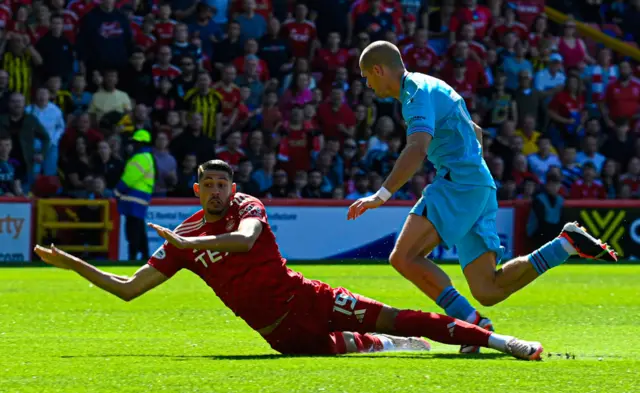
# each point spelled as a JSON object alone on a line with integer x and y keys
{"x": 297, "y": 143}
{"x": 300, "y": 32}
{"x": 82, "y": 127}
{"x": 623, "y": 96}
{"x": 478, "y": 15}
{"x": 161, "y": 70}
{"x": 263, "y": 68}
{"x": 581, "y": 189}
{"x": 5, "y": 16}
{"x": 528, "y": 10}
{"x": 263, "y": 7}
{"x": 165, "y": 27}
{"x": 81, "y": 7}
{"x": 335, "y": 117}
{"x": 476, "y": 50}
{"x": 328, "y": 60}
{"x": 229, "y": 91}
{"x": 474, "y": 73}
{"x": 568, "y": 105}
{"x": 510, "y": 24}
{"x": 459, "y": 82}
{"x": 419, "y": 56}
{"x": 231, "y": 153}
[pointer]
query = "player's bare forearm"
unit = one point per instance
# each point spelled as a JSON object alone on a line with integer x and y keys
{"x": 241, "y": 240}
{"x": 411, "y": 158}
{"x": 114, "y": 284}
{"x": 478, "y": 131}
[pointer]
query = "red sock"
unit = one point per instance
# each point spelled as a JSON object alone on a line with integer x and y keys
{"x": 440, "y": 328}
{"x": 363, "y": 342}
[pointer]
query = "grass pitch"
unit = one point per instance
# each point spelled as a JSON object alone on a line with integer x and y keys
{"x": 59, "y": 334}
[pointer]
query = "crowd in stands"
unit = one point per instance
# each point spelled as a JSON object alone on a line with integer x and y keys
{"x": 273, "y": 87}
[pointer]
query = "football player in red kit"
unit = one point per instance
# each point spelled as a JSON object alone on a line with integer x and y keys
{"x": 231, "y": 246}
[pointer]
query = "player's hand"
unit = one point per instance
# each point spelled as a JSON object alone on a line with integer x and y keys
{"x": 54, "y": 256}
{"x": 173, "y": 238}
{"x": 362, "y": 205}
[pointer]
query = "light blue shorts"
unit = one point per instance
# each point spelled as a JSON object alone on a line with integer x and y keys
{"x": 464, "y": 216}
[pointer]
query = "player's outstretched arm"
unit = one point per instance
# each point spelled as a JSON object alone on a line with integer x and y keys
{"x": 241, "y": 240}
{"x": 126, "y": 288}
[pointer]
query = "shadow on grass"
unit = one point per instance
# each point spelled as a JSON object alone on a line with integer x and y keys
{"x": 397, "y": 355}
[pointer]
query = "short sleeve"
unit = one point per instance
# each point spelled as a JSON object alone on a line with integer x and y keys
{"x": 419, "y": 115}
{"x": 252, "y": 209}
{"x": 167, "y": 260}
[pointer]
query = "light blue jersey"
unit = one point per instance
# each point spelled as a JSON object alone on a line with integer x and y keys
{"x": 432, "y": 106}
{"x": 461, "y": 202}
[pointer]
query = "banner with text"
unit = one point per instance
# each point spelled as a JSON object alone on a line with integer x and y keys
{"x": 619, "y": 227}
{"x": 318, "y": 232}
{"x": 15, "y": 232}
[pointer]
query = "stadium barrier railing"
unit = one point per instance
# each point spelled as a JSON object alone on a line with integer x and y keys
{"x": 312, "y": 230}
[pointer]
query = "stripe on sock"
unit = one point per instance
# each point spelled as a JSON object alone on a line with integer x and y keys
{"x": 448, "y": 297}
{"x": 535, "y": 264}
{"x": 541, "y": 264}
{"x": 544, "y": 260}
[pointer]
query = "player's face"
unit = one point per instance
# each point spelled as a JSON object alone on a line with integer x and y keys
{"x": 376, "y": 80}
{"x": 214, "y": 189}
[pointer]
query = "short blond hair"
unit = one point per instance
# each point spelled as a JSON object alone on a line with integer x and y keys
{"x": 381, "y": 53}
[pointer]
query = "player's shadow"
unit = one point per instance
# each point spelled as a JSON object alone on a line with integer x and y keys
{"x": 397, "y": 355}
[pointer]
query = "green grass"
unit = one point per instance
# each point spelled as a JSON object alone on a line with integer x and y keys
{"x": 59, "y": 334}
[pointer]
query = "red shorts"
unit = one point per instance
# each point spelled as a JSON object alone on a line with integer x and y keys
{"x": 318, "y": 315}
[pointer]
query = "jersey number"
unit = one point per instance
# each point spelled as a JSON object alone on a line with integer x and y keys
{"x": 343, "y": 300}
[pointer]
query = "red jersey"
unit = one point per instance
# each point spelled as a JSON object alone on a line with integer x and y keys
{"x": 256, "y": 285}
{"x": 300, "y": 36}
{"x": 419, "y": 59}
{"x": 263, "y": 7}
{"x": 632, "y": 181}
{"x": 466, "y": 91}
{"x": 475, "y": 73}
{"x": 231, "y": 97}
{"x": 70, "y": 20}
{"x": 623, "y": 101}
{"x": 502, "y": 29}
{"x": 145, "y": 41}
{"x": 475, "y": 47}
{"x": 567, "y": 106}
{"x": 5, "y": 15}
{"x": 581, "y": 190}
{"x": 230, "y": 157}
{"x": 171, "y": 72}
{"x": 328, "y": 63}
{"x": 480, "y": 18}
{"x": 528, "y": 10}
{"x": 263, "y": 68}
{"x": 81, "y": 7}
{"x": 163, "y": 31}
{"x": 296, "y": 147}
{"x": 330, "y": 119}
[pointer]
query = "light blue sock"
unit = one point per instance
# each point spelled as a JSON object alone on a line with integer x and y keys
{"x": 550, "y": 255}
{"x": 455, "y": 305}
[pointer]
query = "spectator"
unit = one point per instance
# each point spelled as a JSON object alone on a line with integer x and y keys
{"x": 9, "y": 182}
{"x": 5, "y": 93}
{"x": 300, "y": 181}
{"x": 384, "y": 129}
{"x": 77, "y": 168}
{"x": 231, "y": 153}
{"x": 164, "y": 25}
{"x": 297, "y": 143}
{"x": 496, "y": 167}
{"x": 477, "y": 51}
{"x": 61, "y": 98}
{"x": 622, "y": 98}
{"x": 106, "y": 165}
{"x": 243, "y": 179}
{"x": 461, "y": 84}
{"x": 106, "y": 28}
{"x": 588, "y": 187}
{"x": 252, "y": 25}
{"x": 256, "y": 148}
{"x": 264, "y": 176}
{"x": 193, "y": 141}
{"x": 475, "y": 74}
{"x": 165, "y": 68}
{"x": 280, "y": 188}
{"x": 419, "y": 56}
{"x": 207, "y": 102}
{"x": 499, "y": 106}
{"x": 81, "y": 99}
{"x": 275, "y": 50}
{"x": 572, "y": 49}
{"x": 520, "y": 173}
{"x": 471, "y": 12}
{"x": 619, "y": 146}
{"x": 514, "y": 66}
{"x": 328, "y": 60}
{"x": 551, "y": 79}
{"x": 181, "y": 48}
{"x": 231, "y": 98}
{"x": 187, "y": 176}
{"x": 187, "y": 79}
{"x": 336, "y": 117}
{"x": 109, "y": 99}
{"x": 510, "y": 24}
{"x": 541, "y": 161}
{"x": 599, "y": 76}
{"x": 271, "y": 115}
{"x": 166, "y": 166}
{"x": 362, "y": 188}
{"x": 632, "y": 177}
{"x": 81, "y": 127}
{"x": 229, "y": 48}
{"x": 568, "y": 113}
{"x": 52, "y": 120}
{"x": 590, "y": 153}
{"x": 313, "y": 190}
{"x": 571, "y": 170}
{"x": 501, "y": 146}
{"x": 19, "y": 60}
{"x": 56, "y": 51}
{"x": 206, "y": 28}
{"x": 610, "y": 178}
{"x": 545, "y": 219}
{"x": 301, "y": 33}
{"x": 298, "y": 95}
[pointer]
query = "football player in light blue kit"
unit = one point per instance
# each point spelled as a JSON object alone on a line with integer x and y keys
{"x": 459, "y": 208}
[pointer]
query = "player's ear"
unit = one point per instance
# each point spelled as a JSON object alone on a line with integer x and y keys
{"x": 196, "y": 189}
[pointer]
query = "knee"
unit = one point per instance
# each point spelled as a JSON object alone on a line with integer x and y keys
{"x": 399, "y": 260}
{"x": 488, "y": 294}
